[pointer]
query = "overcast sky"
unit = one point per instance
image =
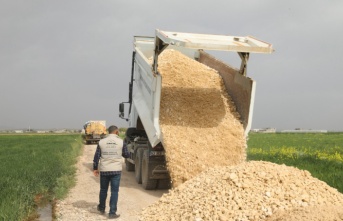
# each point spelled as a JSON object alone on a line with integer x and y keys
{"x": 65, "y": 62}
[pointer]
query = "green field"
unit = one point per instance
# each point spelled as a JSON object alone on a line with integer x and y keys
{"x": 319, "y": 153}
{"x": 33, "y": 166}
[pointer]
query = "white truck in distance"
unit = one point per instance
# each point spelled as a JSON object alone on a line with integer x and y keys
{"x": 144, "y": 137}
{"x": 93, "y": 131}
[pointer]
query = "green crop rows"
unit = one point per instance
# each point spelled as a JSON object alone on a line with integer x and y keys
{"x": 321, "y": 154}
{"x": 35, "y": 165}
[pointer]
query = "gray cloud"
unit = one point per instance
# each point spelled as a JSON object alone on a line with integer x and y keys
{"x": 66, "y": 62}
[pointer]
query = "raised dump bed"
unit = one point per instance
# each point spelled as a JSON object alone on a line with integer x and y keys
{"x": 147, "y": 85}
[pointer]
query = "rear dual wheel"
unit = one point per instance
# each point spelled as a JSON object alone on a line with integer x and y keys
{"x": 138, "y": 165}
{"x": 148, "y": 184}
{"x": 129, "y": 166}
{"x": 164, "y": 184}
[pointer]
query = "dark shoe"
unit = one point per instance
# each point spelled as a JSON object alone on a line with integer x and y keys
{"x": 102, "y": 211}
{"x": 113, "y": 216}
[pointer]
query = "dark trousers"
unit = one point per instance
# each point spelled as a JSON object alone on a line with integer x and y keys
{"x": 105, "y": 180}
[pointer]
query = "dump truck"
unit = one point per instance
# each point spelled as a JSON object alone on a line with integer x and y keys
{"x": 93, "y": 131}
{"x": 143, "y": 136}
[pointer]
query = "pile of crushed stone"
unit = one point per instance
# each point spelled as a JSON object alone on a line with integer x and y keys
{"x": 253, "y": 190}
{"x": 205, "y": 151}
{"x": 198, "y": 119}
{"x": 311, "y": 213}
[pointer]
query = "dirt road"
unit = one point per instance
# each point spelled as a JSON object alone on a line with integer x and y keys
{"x": 83, "y": 198}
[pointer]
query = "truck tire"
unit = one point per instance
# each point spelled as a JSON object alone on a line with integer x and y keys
{"x": 164, "y": 184}
{"x": 148, "y": 184}
{"x": 129, "y": 166}
{"x": 138, "y": 165}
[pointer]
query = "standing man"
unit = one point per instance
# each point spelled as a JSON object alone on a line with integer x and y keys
{"x": 109, "y": 152}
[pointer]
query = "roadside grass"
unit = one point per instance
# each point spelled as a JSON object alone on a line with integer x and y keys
{"x": 35, "y": 168}
{"x": 319, "y": 153}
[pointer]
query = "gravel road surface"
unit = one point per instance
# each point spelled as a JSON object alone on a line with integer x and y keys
{"x": 82, "y": 200}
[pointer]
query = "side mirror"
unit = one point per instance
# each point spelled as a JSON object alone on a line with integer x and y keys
{"x": 121, "y": 110}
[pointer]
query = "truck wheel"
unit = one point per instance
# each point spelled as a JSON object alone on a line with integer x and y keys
{"x": 129, "y": 166}
{"x": 164, "y": 184}
{"x": 138, "y": 165}
{"x": 148, "y": 184}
